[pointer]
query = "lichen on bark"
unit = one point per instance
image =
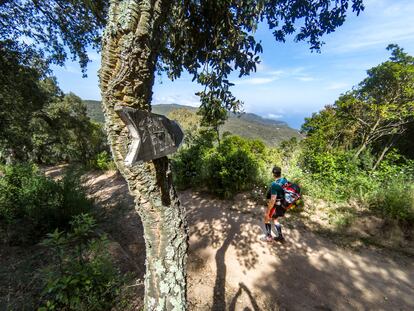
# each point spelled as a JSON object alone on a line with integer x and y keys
{"x": 129, "y": 53}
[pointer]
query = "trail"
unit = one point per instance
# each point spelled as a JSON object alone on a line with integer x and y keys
{"x": 308, "y": 272}
{"x": 230, "y": 269}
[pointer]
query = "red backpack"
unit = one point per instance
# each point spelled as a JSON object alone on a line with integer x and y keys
{"x": 292, "y": 196}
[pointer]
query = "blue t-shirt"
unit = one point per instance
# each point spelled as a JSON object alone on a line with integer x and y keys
{"x": 276, "y": 187}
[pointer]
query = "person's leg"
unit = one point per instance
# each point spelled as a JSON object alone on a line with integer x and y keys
{"x": 278, "y": 228}
{"x": 268, "y": 224}
{"x": 268, "y": 227}
{"x": 280, "y": 212}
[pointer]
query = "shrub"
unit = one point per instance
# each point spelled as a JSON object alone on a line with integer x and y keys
{"x": 394, "y": 166}
{"x": 102, "y": 161}
{"x": 32, "y": 204}
{"x": 188, "y": 161}
{"x": 82, "y": 277}
{"x": 233, "y": 166}
{"x": 395, "y": 200}
{"x": 332, "y": 166}
{"x": 335, "y": 175}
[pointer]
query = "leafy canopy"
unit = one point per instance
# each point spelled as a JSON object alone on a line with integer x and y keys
{"x": 211, "y": 39}
{"x": 383, "y": 103}
{"x": 375, "y": 114}
{"x": 46, "y": 27}
{"x": 38, "y": 121}
{"x": 20, "y": 97}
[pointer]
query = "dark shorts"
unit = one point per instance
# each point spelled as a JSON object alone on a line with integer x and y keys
{"x": 277, "y": 211}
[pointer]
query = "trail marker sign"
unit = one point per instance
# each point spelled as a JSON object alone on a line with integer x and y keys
{"x": 153, "y": 135}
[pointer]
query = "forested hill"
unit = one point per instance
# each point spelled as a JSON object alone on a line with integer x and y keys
{"x": 248, "y": 125}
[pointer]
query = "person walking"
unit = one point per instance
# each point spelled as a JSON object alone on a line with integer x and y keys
{"x": 275, "y": 209}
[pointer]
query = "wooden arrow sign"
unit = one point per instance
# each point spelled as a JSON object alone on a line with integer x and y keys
{"x": 152, "y": 135}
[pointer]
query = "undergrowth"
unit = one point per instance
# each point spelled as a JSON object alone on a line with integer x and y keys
{"x": 82, "y": 276}
{"x": 32, "y": 204}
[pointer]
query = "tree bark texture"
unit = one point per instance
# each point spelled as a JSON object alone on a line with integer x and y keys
{"x": 129, "y": 54}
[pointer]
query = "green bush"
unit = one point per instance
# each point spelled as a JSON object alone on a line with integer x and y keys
{"x": 187, "y": 167}
{"x": 395, "y": 165}
{"x": 102, "y": 161}
{"x": 187, "y": 163}
{"x": 82, "y": 276}
{"x": 331, "y": 166}
{"x": 335, "y": 175}
{"x": 395, "y": 200}
{"x": 233, "y": 166}
{"x": 32, "y": 204}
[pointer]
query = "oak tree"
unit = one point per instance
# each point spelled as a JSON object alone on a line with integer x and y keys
{"x": 47, "y": 29}
{"x": 209, "y": 40}
{"x": 382, "y": 106}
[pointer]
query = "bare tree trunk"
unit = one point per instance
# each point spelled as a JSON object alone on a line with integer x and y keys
{"x": 218, "y": 134}
{"x": 368, "y": 138}
{"x": 387, "y": 147}
{"x": 129, "y": 54}
{"x": 361, "y": 148}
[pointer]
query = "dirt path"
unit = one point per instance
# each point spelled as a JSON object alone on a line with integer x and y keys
{"x": 230, "y": 269}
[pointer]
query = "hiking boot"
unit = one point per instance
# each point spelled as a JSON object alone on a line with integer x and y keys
{"x": 266, "y": 238}
{"x": 279, "y": 238}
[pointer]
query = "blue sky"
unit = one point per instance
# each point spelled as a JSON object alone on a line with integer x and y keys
{"x": 291, "y": 82}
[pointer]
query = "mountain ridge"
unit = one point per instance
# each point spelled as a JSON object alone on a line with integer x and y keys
{"x": 247, "y": 125}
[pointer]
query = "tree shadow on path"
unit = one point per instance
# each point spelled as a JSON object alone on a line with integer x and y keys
{"x": 214, "y": 224}
{"x": 242, "y": 288}
{"x": 312, "y": 273}
{"x": 308, "y": 272}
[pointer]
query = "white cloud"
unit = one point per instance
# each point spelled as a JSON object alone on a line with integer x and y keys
{"x": 306, "y": 78}
{"x": 261, "y": 67}
{"x": 269, "y": 75}
{"x": 377, "y": 38}
{"x": 274, "y": 116}
{"x": 337, "y": 86}
{"x": 276, "y": 73}
{"x": 298, "y": 73}
{"x": 73, "y": 69}
{"x": 177, "y": 99}
{"x": 381, "y": 23}
{"x": 374, "y": 2}
{"x": 94, "y": 56}
{"x": 256, "y": 81}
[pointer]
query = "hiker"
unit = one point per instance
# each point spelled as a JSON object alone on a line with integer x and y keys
{"x": 274, "y": 208}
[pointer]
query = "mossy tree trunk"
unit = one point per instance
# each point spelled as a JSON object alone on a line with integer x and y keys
{"x": 129, "y": 54}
